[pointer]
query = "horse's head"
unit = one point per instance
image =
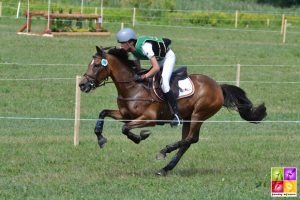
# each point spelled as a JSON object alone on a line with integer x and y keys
{"x": 97, "y": 72}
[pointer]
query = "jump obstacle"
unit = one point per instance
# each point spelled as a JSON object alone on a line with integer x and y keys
{"x": 52, "y": 16}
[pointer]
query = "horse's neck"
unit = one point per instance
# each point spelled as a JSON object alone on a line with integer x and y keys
{"x": 122, "y": 76}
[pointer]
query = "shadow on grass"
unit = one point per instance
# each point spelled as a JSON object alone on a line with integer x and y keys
{"x": 196, "y": 171}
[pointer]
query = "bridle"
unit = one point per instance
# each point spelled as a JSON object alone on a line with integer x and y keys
{"x": 94, "y": 83}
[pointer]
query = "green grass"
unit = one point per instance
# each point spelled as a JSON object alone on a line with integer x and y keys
{"x": 231, "y": 160}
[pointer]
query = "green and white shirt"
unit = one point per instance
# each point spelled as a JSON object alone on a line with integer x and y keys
{"x": 147, "y": 47}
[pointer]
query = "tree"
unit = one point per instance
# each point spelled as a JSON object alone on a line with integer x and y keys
{"x": 281, "y": 3}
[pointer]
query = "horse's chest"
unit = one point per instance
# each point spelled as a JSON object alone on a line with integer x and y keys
{"x": 133, "y": 108}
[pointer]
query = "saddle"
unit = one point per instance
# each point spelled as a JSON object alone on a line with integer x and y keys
{"x": 180, "y": 84}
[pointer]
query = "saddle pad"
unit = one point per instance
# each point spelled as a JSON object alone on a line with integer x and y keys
{"x": 186, "y": 88}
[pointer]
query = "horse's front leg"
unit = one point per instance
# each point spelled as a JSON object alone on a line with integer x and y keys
{"x": 137, "y": 123}
{"x": 115, "y": 114}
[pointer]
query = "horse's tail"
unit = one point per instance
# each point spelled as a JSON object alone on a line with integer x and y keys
{"x": 235, "y": 98}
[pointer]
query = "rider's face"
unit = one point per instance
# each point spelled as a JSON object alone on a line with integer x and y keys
{"x": 125, "y": 45}
{"x": 128, "y": 46}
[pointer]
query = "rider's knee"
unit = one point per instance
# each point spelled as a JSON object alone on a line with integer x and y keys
{"x": 165, "y": 85}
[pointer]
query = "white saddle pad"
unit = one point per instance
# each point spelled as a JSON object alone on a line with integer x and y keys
{"x": 186, "y": 88}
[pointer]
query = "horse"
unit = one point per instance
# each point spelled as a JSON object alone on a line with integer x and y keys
{"x": 139, "y": 106}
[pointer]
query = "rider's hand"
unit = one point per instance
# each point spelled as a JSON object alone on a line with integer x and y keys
{"x": 139, "y": 78}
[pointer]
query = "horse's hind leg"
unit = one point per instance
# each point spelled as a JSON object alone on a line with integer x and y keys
{"x": 172, "y": 147}
{"x": 174, "y": 161}
{"x": 188, "y": 138}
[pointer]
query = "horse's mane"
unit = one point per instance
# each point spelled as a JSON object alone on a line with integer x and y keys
{"x": 122, "y": 55}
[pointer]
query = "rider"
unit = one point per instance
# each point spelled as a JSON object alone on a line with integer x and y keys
{"x": 160, "y": 55}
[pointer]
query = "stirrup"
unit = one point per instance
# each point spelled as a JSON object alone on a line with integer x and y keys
{"x": 175, "y": 121}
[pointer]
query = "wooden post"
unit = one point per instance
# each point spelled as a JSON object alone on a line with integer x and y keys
{"x": 284, "y": 31}
{"x": 101, "y": 9}
{"x": 81, "y": 9}
{"x": 133, "y": 17}
{"x": 282, "y": 23}
{"x": 48, "y": 24}
{"x": 238, "y": 73}
{"x": 268, "y": 22}
{"x": 28, "y": 24}
{"x": 77, "y": 112}
{"x": 0, "y": 8}
{"x": 122, "y": 25}
{"x": 99, "y": 23}
{"x": 236, "y": 18}
{"x": 18, "y": 9}
{"x": 28, "y": 18}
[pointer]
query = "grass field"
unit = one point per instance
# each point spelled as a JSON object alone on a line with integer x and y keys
{"x": 231, "y": 161}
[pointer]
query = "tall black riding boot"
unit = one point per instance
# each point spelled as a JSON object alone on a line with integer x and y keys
{"x": 173, "y": 105}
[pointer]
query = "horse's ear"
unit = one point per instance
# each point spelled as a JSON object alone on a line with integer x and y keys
{"x": 98, "y": 49}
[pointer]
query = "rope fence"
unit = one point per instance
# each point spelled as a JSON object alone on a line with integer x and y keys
{"x": 129, "y": 120}
{"x": 134, "y": 19}
{"x": 237, "y": 81}
{"x": 189, "y": 65}
{"x": 186, "y": 26}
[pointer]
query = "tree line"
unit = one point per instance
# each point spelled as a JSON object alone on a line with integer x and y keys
{"x": 280, "y": 3}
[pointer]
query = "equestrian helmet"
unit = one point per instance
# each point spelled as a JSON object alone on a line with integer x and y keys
{"x": 126, "y": 34}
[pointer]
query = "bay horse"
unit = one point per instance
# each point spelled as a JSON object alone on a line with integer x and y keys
{"x": 139, "y": 107}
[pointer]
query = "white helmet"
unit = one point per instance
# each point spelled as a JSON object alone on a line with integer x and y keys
{"x": 126, "y": 34}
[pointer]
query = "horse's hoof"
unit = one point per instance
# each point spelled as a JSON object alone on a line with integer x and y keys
{"x": 161, "y": 172}
{"x": 145, "y": 134}
{"x": 160, "y": 156}
{"x": 102, "y": 141}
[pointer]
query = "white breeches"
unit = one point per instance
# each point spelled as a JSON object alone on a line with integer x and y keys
{"x": 167, "y": 65}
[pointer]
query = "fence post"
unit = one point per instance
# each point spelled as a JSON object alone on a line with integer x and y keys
{"x": 282, "y": 23}
{"x": 81, "y": 7}
{"x": 238, "y": 74}
{"x": 18, "y": 9}
{"x": 48, "y": 20}
{"x": 236, "y": 18}
{"x": 122, "y": 25}
{"x": 0, "y": 8}
{"x": 77, "y": 112}
{"x": 101, "y": 10}
{"x": 28, "y": 17}
{"x": 133, "y": 17}
{"x": 284, "y": 31}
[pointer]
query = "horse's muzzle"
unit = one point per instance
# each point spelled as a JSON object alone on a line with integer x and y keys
{"x": 86, "y": 86}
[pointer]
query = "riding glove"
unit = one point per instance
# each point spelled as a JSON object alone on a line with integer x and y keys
{"x": 139, "y": 78}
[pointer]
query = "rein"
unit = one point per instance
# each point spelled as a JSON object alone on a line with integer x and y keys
{"x": 138, "y": 99}
{"x": 94, "y": 83}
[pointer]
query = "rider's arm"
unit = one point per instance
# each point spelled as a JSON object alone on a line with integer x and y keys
{"x": 147, "y": 50}
{"x": 155, "y": 67}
